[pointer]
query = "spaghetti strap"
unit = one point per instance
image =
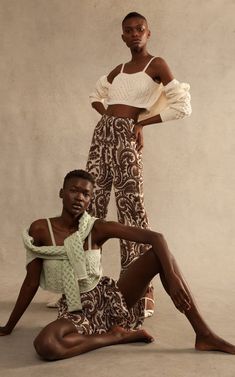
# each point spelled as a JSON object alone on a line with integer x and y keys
{"x": 148, "y": 63}
{"x": 122, "y": 68}
{"x": 51, "y": 232}
{"x": 89, "y": 241}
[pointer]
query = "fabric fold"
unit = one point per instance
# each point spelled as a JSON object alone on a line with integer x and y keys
{"x": 63, "y": 266}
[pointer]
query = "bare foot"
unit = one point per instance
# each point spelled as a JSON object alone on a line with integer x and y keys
{"x": 212, "y": 342}
{"x": 131, "y": 336}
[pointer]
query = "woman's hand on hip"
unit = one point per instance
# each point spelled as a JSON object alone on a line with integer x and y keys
{"x": 139, "y": 137}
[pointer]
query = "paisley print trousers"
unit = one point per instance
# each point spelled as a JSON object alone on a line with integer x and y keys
{"x": 114, "y": 161}
{"x": 103, "y": 308}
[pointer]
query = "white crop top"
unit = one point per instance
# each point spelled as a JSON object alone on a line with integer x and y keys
{"x": 133, "y": 89}
{"x": 171, "y": 101}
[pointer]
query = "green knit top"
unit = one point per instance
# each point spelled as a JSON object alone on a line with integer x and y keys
{"x": 68, "y": 269}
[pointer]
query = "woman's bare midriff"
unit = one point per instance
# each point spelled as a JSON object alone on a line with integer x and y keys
{"x": 124, "y": 111}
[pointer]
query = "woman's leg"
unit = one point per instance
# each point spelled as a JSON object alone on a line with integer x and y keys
{"x": 134, "y": 281}
{"x": 98, "y": 164}
{"x": 128, "y": 187}
{"x": 60, "y": 340}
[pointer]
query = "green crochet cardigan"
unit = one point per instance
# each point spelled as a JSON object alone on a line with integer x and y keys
{"x": 68, "y": 269}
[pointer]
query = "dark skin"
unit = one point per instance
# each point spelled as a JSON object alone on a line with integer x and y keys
{"x": 59, "y": 339}
{"x": 136, "y": 34}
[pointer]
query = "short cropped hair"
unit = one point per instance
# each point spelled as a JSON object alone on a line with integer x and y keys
{"x": 79, "y": 173}
{"x": 132, "y": 15}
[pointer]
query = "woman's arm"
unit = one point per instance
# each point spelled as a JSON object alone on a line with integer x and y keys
{"x": 28, "y": 289}
{"x": 31, "y": 282}
{"x": 105, "y": 230}
{"x": 99, "y": 107}
{"x": 110, "y": 229}
{"x": 177, "y": 96}
{"x": 100, "y": 93}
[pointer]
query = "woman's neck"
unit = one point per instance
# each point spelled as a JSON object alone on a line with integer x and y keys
{"x": 69, "y": 222}
{"x": 139, "y": 55}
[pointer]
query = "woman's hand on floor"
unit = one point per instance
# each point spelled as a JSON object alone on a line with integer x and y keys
{"x": 5, "y": 331}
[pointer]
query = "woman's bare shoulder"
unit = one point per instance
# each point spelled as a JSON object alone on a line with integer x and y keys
{"x": 37, "y": 230}
{"x": 161, "y": 70}
{"x": 114, "y": 73}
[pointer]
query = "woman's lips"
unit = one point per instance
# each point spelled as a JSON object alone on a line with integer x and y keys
{"x": 77, "y": 207}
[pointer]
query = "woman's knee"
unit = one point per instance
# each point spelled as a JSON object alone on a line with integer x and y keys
{"x": 47, "y": 346}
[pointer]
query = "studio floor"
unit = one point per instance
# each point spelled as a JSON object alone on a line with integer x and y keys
{"x": 171, "y": 355}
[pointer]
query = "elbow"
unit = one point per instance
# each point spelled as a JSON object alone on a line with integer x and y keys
{"x": 172, "y": 113}
{"x": 95, "y": 102}
{"x": 178, "y": 104}
{"x": 159, "y": 242}
{"x": 158, "y": 238}
{"x": 187, "y": 111}
{"x": 182, "y": 115}
{"x": 92, "y": 100}
{"x": 184, "y": 110}
{"x": 31, "y": 286}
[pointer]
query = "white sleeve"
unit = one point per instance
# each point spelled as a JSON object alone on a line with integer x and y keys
{"x": 178, "y": 101}
{"x": 100, "y": 93}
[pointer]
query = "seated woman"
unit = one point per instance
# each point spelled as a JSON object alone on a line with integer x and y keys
{"x": 64, "y": 255}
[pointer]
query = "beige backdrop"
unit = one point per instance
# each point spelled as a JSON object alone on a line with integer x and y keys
{"x": 53, "y": 51}
{"x": 51, "y": 54}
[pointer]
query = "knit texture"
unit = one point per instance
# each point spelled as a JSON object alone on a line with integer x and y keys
{"x": 172, "y": 101}
{"x": 68, "y": 269}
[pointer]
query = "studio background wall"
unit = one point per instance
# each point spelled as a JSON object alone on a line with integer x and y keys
{"x": 51, "y": 54}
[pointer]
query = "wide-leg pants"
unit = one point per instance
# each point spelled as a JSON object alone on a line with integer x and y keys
{"x": 114, "y": 160}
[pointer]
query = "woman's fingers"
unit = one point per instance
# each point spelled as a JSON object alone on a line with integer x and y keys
{"x": 139, "y": 141}
{"x": 138, "y": 133}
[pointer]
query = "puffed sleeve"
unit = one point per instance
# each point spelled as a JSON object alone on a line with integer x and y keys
{"x": 178, "y": 101}
{"x": 101, "y": 90}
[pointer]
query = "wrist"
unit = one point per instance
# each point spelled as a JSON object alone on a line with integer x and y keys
{"x": 6, "y": 329}
{"x": 141, "y": 123}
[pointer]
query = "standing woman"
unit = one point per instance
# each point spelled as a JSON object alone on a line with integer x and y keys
{"x": 144, "y": 85}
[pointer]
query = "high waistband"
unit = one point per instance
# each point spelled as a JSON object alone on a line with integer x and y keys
{"x": 105, "y": 116}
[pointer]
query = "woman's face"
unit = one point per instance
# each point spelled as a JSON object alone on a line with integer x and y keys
{"x": 76, "y": 195}
{"x": 135, "y": 33}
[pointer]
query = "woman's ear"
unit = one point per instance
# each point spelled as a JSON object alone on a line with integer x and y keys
{"x": 61, "y": 193}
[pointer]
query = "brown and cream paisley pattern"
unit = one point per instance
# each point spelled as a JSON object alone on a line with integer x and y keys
{"x": 114, "y": 160}
{"x": 103, "y": 307}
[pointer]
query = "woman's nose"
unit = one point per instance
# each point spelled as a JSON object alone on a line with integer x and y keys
{"x": 134, "y": 33}
{"x": 79, "y": 196}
